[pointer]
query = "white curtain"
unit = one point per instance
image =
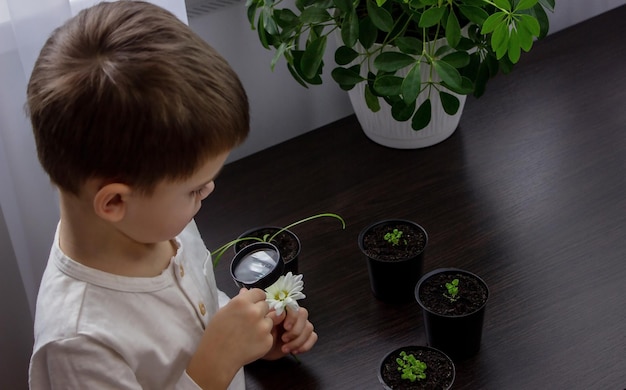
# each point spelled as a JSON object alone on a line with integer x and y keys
{"x": 27, "y": 200}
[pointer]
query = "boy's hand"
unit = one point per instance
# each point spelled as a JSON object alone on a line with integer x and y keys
{"x": 293, "y": 333}
{"x": 238, "y": 334}
{"x": 243, "y": 326}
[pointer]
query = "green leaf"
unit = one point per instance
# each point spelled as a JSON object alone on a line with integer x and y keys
{"x": 380, "y": 17}
{"x": 402, "y": 111}
{"x": 412, "y": 84}
{"x": 500, "y": 40}
{"x": 312, "y": 57}
{"x": 346, "y": 76}
{"x": 409, "y": 45}
{"x": 492, "y": 22}
{"x": 542, "y": 19}
{"x": 474, "y": 14}
{"x": 387, "y": 85}
{"x": 548, "y": 4}
{"x": 467, "y": 86}
{"x": 367, "y": 32}
{"x": 422, "y": 116}
{"x": 514, "y": 47}
{"x": 442, "y": 50}
{"x": 279, "y": 53}
{"x": 314, "y": 15}
{"x": 251, "y": 13}
{"x": 297, "y": 64}
{"x": 286, "y": 19}
{"x": 431, "y": 17}
{"x": 525, "y": 38}
{"x": 392, "y": 61}
{"x": 458, "y": 59}
{"x": 453, "y": 30}
{"x": 268, "y": 21}
{"x": 301, "y": 4}
{"x": 371, "y": 100}
{"x": 345, "y": 55}
{"x": 529, "y": 23}
{"x": 449, "y": 102}
{"x": 525, "y": 4}
{"x": 324, "y": 4}
{"x": 474, "y": 3}
{"x": 503, "y": 4}
{"x": 448, "y": 74}
{"x": 296, "y": 76}
{"x": 262, "y": 34}
{"x": 350, "y": 29}
{"x": 344, "y": 6}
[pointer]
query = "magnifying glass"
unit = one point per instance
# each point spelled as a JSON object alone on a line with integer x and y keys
{"x": 257, "y": 265}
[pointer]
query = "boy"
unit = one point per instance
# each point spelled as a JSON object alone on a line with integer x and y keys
{"x": 134, "y": 116}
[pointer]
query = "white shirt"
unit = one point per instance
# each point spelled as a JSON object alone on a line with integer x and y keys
{"x": 95, "y": 330}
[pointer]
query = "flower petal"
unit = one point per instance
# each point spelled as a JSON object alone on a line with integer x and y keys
{"x": 285, "y": 292}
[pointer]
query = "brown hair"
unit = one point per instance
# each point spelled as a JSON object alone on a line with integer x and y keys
{"x": 127, "y": 92}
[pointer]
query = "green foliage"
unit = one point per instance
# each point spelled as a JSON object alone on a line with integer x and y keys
{"x": 219, "y": 252}
{"x": 393, "y": 237}
{"x": 385, "y": 43}
{"x": 412, "y": 369}
{"x": 453, "y": 290}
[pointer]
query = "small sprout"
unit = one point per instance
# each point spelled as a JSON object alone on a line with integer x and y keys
{"x": 453, "y": 290}
{"x": 412, "y": 369}
{"x": 393, "y": 237}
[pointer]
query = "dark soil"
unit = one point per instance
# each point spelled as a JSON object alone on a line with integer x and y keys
{"x": 472, "y": 294}
{"x": 286, "y": 244}
{"x": 439, "y": 370}
{"x": 411, "y": 244}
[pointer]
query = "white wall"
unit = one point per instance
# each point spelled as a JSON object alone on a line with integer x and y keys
{"x": 280, "y": 108}
{"x": 15, "y": 323}
{"x": 570, "y": 12}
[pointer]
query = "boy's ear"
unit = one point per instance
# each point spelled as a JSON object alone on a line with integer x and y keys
{"x": 110, "y": 201}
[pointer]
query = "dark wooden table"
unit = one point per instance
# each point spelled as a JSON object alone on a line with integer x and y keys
{"x": 529, "y": 193}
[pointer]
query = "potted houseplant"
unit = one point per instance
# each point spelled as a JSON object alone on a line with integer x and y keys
{"x": 394, "y": 249}
{"x": 287, "y": 242}
{"x": 415, "y": 368}
{"x": 414, "y": 60}
{"x": 453, "y": 303}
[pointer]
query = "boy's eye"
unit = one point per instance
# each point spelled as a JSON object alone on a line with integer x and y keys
{"x": 198, "y": 192}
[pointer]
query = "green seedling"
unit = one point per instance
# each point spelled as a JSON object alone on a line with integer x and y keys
{"x": 393, "y": 237}
{"x": 412, "y": 369}
{"x": 453, "y": 290}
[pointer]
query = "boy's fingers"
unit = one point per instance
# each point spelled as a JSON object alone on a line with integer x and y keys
{"x": 276, "y": 319}
{"x": 254, "y": 294}
{"x": 292, "y": 317}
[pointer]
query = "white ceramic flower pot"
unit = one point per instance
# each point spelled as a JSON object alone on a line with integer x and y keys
{"x": 383, "y": 129}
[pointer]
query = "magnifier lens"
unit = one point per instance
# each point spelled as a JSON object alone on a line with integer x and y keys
{"x": 256, "y": 265}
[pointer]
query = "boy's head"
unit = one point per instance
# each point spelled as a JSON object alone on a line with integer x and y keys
{"x": 127, "y": 93}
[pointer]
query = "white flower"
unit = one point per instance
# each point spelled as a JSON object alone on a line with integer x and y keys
{"x": 285, "y": 292}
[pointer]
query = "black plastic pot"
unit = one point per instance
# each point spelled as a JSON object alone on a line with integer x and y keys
{"x": 440, "y": 371}
{"x": 286, "y": 242}
{"x": 267, "y": 266}
{"x": 456, "y": 332}
{"x": 393, "y": 279}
